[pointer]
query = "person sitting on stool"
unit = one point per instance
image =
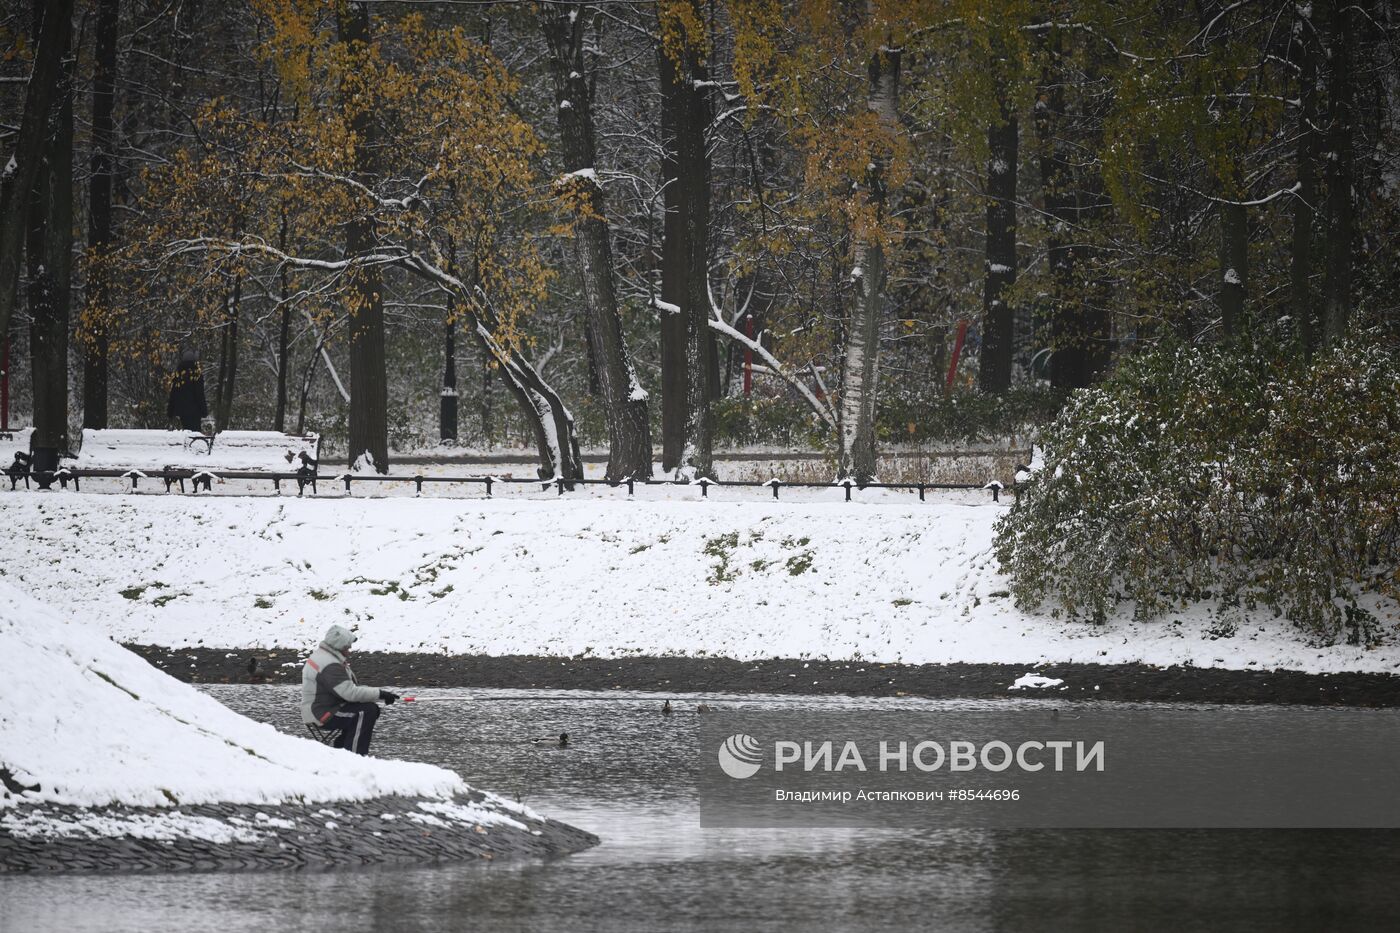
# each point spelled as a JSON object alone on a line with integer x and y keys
{"x": 330, "y": 697}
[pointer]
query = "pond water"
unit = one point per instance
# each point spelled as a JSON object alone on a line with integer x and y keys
{"x": 628, "y": 775}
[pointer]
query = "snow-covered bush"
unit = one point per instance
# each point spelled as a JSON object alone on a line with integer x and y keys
{"x": 1205, "y": 473}
{"x": 924, "y": 413}
{"x": 781, "y": 422}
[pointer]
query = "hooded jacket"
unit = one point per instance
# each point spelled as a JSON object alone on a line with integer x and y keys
{"x": 187, "y": 403}
{"x": 327, "y": 680}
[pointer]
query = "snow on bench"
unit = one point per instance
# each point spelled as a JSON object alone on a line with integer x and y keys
{"x": 133, "y": 453}
{"x": 22, "y": 467}
{"x": 19, "y": 437}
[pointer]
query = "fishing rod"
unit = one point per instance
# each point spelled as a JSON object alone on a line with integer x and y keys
{"x": 467, "y": 698}
{"x": 737, "y": 699}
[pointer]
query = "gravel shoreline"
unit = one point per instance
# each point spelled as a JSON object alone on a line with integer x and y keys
{"x": 680, "y": 675}
{"x": 231, "y": 837}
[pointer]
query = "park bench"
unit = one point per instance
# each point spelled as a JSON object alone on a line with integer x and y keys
{"x": 176, "y": 456}
{"x": 25, "y": 467}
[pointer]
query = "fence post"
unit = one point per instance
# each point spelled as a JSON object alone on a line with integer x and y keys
{"x": 630, "y": 481}
{"x": 704, "y": 488}
{"x": 347, "y": 483}
{"x": 488, "y": 487}
{"x": 559, "y": 482}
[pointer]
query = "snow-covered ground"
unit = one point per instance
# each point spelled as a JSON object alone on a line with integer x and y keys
{"x": 92, "y": 724}
{"x": 739, "y": 575}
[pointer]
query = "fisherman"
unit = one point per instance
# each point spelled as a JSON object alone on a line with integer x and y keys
{"x": 330, "y": 697}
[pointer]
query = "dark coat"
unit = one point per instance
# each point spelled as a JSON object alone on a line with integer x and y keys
{"x": 187, "y": 404}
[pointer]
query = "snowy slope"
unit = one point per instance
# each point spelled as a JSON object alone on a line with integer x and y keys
{"x": 905, "y": 581}
{"x": 93, "y": 724}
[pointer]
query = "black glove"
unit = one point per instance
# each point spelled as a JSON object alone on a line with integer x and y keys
{"x": 388, "y": 696}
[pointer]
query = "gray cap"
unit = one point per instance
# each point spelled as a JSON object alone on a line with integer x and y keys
{"x": 339, "y": 637}
{"x": 189, "y": 355}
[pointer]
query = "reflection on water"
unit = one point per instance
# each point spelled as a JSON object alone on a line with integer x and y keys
{"x": 627, "y": 775}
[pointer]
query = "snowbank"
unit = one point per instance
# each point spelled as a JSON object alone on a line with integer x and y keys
{"x": 92, "y": 724}
{"x": 911, "y": 582}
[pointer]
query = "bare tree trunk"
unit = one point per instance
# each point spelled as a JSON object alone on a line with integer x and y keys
{"x": 447, "y": 408}
{"x": 20, "y": 172}
{"x": 861, "y": 360}
{"x": 487, "y": 428}
{"x": 1300, "y": 271}
{"x": 228, "y": 359}
{"x": 50, "y": 256}
{"x": 998, "y": 323}
{"x": 308, "y": 376}
{"x": 675, "y": 266}
{"x": 283, "y": 334}
{"x": 369, "y": 391}
{"x": 590, "y": 346}
{"x": 689, "y": 361}
{"x": 104, "y": 82}
{"x": 624, "y": 400}
{"x": 1068, "y": 327}
{"x": 1341, "y": 211}
{"x": 1234, "y": 267}
{"x": 550, "y": 420}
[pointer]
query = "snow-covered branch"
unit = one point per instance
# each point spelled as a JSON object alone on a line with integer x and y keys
{"x": 823, "y": 410}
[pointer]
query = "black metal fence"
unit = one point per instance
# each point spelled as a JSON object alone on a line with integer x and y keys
{"x": 203, "y": 479}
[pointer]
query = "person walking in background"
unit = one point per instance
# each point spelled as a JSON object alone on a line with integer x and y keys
{"x": 187, "y": 404}
{"x": 330, "y": 697}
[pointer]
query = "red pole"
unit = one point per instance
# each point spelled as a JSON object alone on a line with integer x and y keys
{"x": 748, "y": 356}
{"x": 5, "y": 387}
{"x": 957, "y": 352}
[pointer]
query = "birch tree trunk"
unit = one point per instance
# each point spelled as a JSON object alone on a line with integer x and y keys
{"x": 998, "y": 323}
{"x": 861, "y": 360}
{"x": 369, "y": 392}
{"x": 624, "y": 400}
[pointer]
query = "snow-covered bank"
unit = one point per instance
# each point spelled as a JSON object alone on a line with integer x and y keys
{"x": 569, "y": 576}
{"x": 91, "y": 724}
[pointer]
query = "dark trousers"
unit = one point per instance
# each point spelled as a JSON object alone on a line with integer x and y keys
{"x": 356, "y": 724}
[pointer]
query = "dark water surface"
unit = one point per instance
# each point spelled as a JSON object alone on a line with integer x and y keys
{"x": 628, "y": 775}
